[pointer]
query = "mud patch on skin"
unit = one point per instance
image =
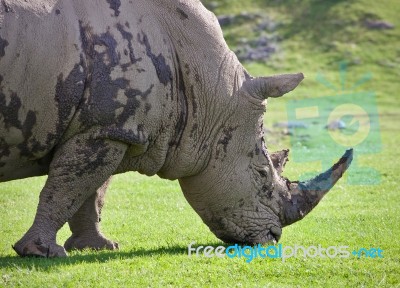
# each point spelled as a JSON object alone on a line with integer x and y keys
{"x": 114, "y": 5}
{"x": 224, "y": 140}
{"x": 90, "y": 40}
{"x": 132, "y": 103}
{"x": 69, "y": 92}
{"x": 30, "y": 144}
{"x": 128, "y": 37}
{"x": 92, "y": 147}
{"x": 163, "y": 70}
{"x": 3, "y": 44}
{"x": 9, "y": 112}
{"x": 10, "y": 115}
{"x": 100, "y": 108}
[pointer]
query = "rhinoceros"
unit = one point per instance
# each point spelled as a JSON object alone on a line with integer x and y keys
{"x": 89, "y": 89}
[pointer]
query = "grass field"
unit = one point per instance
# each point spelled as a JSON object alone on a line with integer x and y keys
{"x": 153, "y": 223}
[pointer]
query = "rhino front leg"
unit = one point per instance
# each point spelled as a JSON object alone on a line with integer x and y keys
{"x": 77, "y": 171}
{"x": 85, "y": 224}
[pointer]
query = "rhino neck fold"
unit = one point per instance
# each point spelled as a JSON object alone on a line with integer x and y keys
{"x": 205, "y": 82}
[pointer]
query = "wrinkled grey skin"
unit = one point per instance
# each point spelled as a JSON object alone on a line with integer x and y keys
{"x": 89, "y": 89}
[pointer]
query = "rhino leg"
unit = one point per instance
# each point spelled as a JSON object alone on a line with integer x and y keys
{"x": 78, "y": 169}
{"x": 85, "y": 224}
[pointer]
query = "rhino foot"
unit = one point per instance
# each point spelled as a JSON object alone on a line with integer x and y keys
{"x": 36, "y": 248}
{"x": 97, "y": 242}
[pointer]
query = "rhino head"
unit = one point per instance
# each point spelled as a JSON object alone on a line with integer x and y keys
{"x": 241, "y": 194}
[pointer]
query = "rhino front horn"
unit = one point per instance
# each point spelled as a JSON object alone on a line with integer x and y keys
{"x": 274, "y": 86}
{"x": 302, "y": 197}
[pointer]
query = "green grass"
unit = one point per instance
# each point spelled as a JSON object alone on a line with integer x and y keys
{"x": 153, "y": 223}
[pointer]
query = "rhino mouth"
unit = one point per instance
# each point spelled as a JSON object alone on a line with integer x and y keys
{"x": 269, "y": 239}
{"x": 270, "y": 235}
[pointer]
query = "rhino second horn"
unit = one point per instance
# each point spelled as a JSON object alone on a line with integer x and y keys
{"x": 279, "y": 160}
{"x": 302, "y": 197}
{"x": 274, "y": 86}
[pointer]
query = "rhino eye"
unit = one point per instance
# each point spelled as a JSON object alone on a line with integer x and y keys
{"x": 262, "y": 171}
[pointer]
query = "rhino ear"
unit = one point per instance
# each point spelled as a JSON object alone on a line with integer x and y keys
{"x": 274, "y": 86}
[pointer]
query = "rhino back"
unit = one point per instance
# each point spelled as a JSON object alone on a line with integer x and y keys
{"x": 41, "y": 83}
{"x": 69, "y": 67}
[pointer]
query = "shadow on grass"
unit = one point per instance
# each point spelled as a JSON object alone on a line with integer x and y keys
{"x": 76, "y": 258}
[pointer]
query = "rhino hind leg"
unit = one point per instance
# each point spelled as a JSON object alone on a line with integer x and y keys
{"x": 78, "y": 169}
{"x": 85, "y": 224}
